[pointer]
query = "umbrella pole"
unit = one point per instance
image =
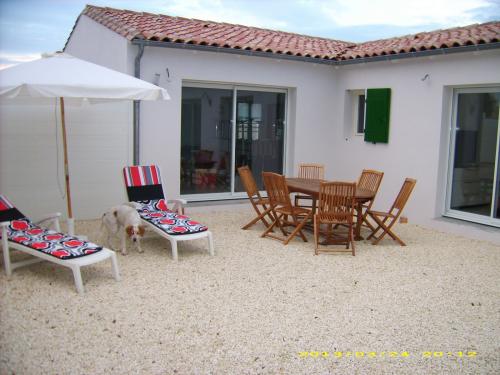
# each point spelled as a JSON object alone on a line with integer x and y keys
{"x": 71, "y": 222}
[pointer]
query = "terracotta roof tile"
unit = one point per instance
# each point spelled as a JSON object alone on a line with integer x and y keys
{"x": 157, "y": 27}
{"x": 449, "y": 38}
{"x": 140, "y": 25}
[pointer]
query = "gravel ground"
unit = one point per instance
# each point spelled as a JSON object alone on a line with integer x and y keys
{"x": 432, "y": 307}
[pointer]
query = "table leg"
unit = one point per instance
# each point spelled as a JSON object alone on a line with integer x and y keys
{"x": 357, "y": 230}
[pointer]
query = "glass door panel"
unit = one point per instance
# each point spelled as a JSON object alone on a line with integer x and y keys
{"x": 474, "y": 177}
{"x": 496, "y": 196}
{"x": 206, "y": 140}
{"x": 260, "y": 120}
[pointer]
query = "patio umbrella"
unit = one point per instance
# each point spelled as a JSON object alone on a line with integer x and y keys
{"x": 64, "y": 76}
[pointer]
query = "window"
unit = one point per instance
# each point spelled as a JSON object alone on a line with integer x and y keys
{"x": 371, "y": 114}
{"x": 358, "y": 100}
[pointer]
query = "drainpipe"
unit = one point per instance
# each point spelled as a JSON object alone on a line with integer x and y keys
{"x": 137, "y": 106}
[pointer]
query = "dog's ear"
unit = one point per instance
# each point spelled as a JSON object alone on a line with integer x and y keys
{"x": 142, "y": 229}
{"x": 130, "y": 230}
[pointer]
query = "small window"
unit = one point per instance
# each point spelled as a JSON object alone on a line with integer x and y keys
{"x": 358, "y": 100}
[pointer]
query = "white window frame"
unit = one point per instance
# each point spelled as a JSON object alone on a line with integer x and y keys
{"x": 355, "y": 94}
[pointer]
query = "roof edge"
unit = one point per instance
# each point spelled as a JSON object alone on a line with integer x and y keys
{"x": 314, "y": 60}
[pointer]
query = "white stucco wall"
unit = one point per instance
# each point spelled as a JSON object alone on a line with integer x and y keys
{"x": 420, "y": 123}
{"x": 311, "y": 93}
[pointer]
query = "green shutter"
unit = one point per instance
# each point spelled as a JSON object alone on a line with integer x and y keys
{"x": 378, "y": 108}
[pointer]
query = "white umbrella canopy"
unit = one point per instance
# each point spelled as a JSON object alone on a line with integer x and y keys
{"x": 64, "y": 76}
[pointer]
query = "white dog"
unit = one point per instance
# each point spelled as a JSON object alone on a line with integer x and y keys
{"x": 123, "y": 221}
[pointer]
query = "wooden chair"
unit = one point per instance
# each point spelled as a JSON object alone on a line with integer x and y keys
{"x": 282, "y": 208}
{"x": 335, "y": 207}
{"x": 311, "y": 172}
{"x": 385, "y": 220}
{"x": 255, "y": 198}
{"x": 369, "y": 180}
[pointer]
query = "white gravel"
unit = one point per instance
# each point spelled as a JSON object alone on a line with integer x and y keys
{"x": 256, "y": 305}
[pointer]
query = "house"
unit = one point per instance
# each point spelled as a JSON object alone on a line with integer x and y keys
{"x": 423, "y": 106}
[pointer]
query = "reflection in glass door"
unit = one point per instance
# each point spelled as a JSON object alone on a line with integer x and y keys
{"x": 210, "y": 145}
{"x": 259, "y": 134}
{"x": 206, "y": 140}
{"x": 473, "y": 193}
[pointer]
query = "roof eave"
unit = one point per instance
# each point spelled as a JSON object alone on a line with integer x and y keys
{"x": 363, "y": 60}
{"x": 197, "y": 47}
{"x": 430, "y": 52}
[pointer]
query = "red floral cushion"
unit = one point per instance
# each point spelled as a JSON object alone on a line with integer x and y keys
{"x": 168, "y": 221}
{"x": 59, "y": 245}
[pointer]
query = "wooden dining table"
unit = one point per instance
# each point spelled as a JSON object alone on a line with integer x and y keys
{"x": 311, "y": 187}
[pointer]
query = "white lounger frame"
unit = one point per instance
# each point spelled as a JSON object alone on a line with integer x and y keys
{"x": 74, "y": 264}
{"x": 173, "y": 239}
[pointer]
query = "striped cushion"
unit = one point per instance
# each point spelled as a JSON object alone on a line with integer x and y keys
{"x": 7, "y": 210}
{"x": 142, "y": 175}
{"x": 4, "y": 203}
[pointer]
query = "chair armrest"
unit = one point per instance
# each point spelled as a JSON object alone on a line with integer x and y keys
{"x": 178, "y": 205}
{"x": 54, "y": 218}
{"x": 4, "y": 224}
{"x": 380, "y": 213}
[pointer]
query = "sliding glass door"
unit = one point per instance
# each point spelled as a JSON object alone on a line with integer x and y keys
{"x": 259, "y": 133}
{"x": 474, "y": 179}
{"x": 212, "y": 148}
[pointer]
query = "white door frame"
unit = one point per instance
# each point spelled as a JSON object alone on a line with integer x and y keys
{"x": 235, "y": 88}
{"x": 449, "y": 212}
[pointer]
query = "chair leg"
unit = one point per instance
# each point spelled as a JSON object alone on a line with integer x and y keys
{"x": 6, "y": 253}
{"x": 173, "y": 245}
{"x": 114, "y": 267}
{"x": 275, "y": 222}
{"x": 297, "y": 230}
{"x": 210, "y": 244}
{"x": 295, "y": 224}
{"x": 316, "y": 236}
{"x": 375, "y": 230}
{"x": 78, "y": 279}
{"x": 281, "y": 221}
{"x": 351, "y": 238}
{"x": 393, "y": 235}
{"x": 386, "y": 230}
{"x": 261, "y": 217}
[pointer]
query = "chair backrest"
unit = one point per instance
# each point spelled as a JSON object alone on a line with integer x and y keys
{"x": 312, "y": 171}
{"x": 143, "y": 182}
{"x": 277, "y": 190}
{"x": 336, "y": 198}
{"x": 403, "y": 196}
{"x": 248, "y": 182}
{"x": 370, "y": 180}
{"x": 8, "y": 211}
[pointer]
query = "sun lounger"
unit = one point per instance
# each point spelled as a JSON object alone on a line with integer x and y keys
{"x": 20, "y": 233}
{"x": 144, "y": 188}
